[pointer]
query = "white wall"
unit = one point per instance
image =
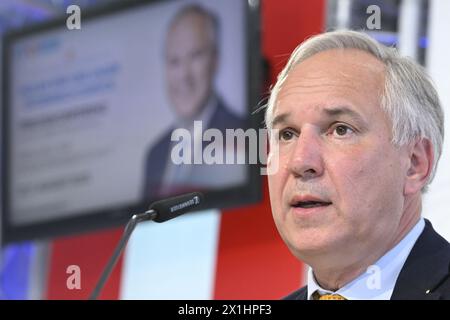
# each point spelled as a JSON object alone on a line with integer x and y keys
{"x": 436, "y": 207}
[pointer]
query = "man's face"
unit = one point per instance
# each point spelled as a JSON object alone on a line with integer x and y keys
{"x": 190, "y": 64}
{"x": 338, "y": 192}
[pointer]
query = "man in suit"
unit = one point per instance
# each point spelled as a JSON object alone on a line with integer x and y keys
{"x": 191, "y": 59}
{"x": 359, "y": 131}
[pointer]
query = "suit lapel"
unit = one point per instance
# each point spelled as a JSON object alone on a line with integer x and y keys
{"x": 303, "y": 295}
{"x": 300, "y": 294}
{"x": 426, "y": 266}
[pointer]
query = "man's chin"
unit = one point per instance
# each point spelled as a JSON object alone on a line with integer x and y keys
{"x": 311, "y": 243}
{"x": 187, "y": 112}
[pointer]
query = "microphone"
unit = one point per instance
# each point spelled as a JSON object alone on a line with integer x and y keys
{"x": 173, "y": 207}
{"x": 159, "y": 211}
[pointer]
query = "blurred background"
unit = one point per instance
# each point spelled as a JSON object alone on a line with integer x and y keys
{"x": 222, "y": 253}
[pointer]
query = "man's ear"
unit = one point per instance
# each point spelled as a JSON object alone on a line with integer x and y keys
{"x": 420, "y": 165}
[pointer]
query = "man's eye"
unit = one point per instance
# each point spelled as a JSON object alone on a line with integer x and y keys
{"x": 342, "y": 130}
{"x": 286, "y": 135}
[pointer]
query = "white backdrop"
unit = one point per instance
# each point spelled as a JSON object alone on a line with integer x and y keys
{"x": 436, "y": 206}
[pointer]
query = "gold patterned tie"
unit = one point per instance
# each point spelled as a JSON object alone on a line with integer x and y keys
{"x": 318, "y": 296}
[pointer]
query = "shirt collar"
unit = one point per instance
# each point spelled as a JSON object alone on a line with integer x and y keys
{"x": 378, "y": 282}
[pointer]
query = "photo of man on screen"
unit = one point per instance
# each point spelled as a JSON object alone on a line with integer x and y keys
{"x": 191, "y": 62}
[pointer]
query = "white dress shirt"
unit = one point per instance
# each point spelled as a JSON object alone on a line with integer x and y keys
{"x": 182, "y": 174}
{"x": 378, "y": 282}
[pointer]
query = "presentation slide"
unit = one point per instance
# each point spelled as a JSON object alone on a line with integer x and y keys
{"x": 87, "y": 105}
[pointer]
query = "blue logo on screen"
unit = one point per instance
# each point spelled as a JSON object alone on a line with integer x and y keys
{"x": 37, "y": 47}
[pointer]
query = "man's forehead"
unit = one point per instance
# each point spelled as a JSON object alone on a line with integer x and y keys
{"x": 189, "y": 20}
{"x": 191, "y": 30}
{"x": 336, "y": 67}
{"x": 333, "y": 77}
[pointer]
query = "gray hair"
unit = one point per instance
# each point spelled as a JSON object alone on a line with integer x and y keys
{"x": 409, "y": 97}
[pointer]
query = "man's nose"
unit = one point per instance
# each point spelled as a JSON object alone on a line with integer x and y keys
{"x": 306, "y": 161}
{"x": 186, "y": 71}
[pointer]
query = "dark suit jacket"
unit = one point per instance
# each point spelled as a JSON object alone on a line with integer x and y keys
{"x": 159, "y": 154}
{"x": 426, "y": 268}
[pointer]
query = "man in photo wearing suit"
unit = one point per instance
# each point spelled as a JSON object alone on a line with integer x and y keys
{"x": 191, "y": 60}
{"x": 359, "y": 131}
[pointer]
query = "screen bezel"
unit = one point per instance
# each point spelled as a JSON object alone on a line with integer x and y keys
{"x": 90, "y": 221}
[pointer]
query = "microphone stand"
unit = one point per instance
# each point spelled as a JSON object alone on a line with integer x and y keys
{"x": 135, "y": 219}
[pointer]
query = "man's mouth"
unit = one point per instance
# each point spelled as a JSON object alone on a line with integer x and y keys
{"x": 310, "y": 204}
{"x": 308, "y": 201}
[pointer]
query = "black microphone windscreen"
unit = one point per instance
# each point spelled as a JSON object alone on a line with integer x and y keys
{"x": 173, "y": 207}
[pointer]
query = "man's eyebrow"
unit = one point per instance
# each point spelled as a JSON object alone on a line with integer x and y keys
{"x": 342, "y": 110}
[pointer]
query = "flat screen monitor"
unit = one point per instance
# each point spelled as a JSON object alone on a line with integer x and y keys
{"x": 103, "y": 117}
